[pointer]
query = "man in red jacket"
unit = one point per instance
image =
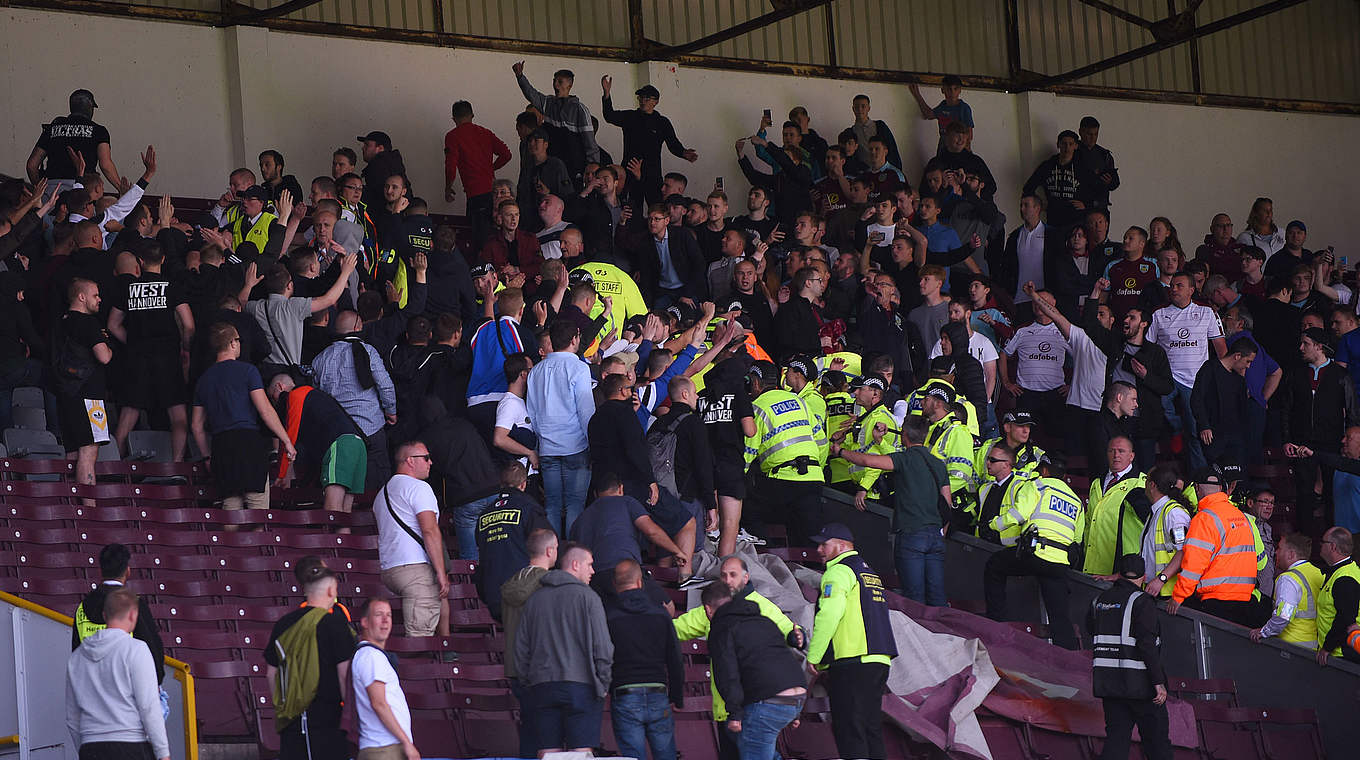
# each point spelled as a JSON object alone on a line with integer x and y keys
{"x": 479, "y": 153}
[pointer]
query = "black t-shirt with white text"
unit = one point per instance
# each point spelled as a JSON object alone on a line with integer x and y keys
{"x": 77, "y": 132}
{"x": 722, "y": 405}
{"x": 148, "y": 305}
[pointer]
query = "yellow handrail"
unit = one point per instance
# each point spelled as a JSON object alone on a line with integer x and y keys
{"x": 180, "y": 670}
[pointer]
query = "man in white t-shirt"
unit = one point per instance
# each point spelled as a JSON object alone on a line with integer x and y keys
{"x": 1185, "y": 330}
{"x": 1040, "y": 350}
{"x": 1088, "y": 366}
{"x": 410, "y": 547}
{"x": 980, "y": 348}
{"x": 384, "y": 718}
{"x": 514, "y": 431}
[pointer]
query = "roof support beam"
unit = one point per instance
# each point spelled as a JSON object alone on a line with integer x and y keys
{"x": 783, "y": 10}
{"x": 1170, "y": 40}
{"x": 1118, "y": 12}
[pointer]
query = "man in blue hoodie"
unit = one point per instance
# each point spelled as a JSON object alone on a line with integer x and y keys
{"x": 113, "y": 706}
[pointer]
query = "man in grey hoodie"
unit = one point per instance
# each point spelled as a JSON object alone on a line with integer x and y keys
{"x": 113, "y": 706}
{"x": 564, "y": 656}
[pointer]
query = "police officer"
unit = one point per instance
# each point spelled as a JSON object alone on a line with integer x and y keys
{"x": 788, "y": 476}
{"x": 800, "y": 375}
{"x": 1126, "y": 664}
{"x": 1017, "y": 428}
{"x": 840, "y": 416}
{"x": 1039, "y": 534}
{"x": 873, "y": 432}
{"x": 1007, "y": 491}
{"x": 852, "y": 640}
{"x": 950, "y": 442}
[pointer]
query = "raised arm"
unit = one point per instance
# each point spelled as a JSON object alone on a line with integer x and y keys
{"x": 328, "y": 300}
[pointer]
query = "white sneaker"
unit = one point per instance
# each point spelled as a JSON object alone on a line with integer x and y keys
{"x": 747, "y": 538}
{"x": 713, "y": 535}
{"x": 695, "y": 581}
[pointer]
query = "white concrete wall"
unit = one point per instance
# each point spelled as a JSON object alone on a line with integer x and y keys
{"x": 212, "y": 99}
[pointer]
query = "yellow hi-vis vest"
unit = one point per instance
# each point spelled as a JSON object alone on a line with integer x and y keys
{"x": 1105, "y": 513}
{"x": 840, "y": 409}
{"x": 951, "y": 443}
{"x": 1018, "y": 501}
{"x": 85, "y": 627}
{"x": 1326, "y": 605}
{"x": 1302, "y": 627}
{"x": 866, "y": 478}
{"x": 1056, "y": 523}
{"x": 785, "y": 446}
{"x": 694, "y": 624}
{"x": 817, "y": 408}
{"x": 1164, "y": 546}
{"x": 257, "y": 234}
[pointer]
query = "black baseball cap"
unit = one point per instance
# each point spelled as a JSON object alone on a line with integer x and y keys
{"x": 833, "y": 530}
{"x": 939, "y": 390}
{"x": 380, "y": 138}
{"x": 82, "y": 95}
{"x": 1018, "y": 417}
{"x": 735, "y": 306}
{"x": 1229, "y": 469}
{"x": 578, "y": 276}
{"x": 870, "y": 381}
{"x": 1209, "y": 476}
{"x": 763, "y": 370}
{"x": 804, "y": 366}
{"x": 648, "y": 91}
{"x": 256, "y": 192}
{"x": 482, "y": 269}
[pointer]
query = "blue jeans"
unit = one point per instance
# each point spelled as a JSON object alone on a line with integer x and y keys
{"x": 566, "y": 481}
{"x": 1183, "y": 420}
{"x": 988, "y": 427}
{"x": 565, "y": 715}
{"x": 760, "y": 728}
{"x": 920, "y": 566}
{"x": 642, "y": 720}
{"x": 465, "y": 524}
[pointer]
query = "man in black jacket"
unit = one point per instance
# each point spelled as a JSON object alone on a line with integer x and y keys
{"x": 1127, "y": 665}
{"x": 380, "y": 162}
{"x": 1142, "y": 364}
{"x": 758, "y": 677}
{"x": 1219, "y": 402}
{"x": 790, "y": 186}
{"x": 1318, "y": 403}
{"x": 694, "y": 481}
{"x": 617, "y": 443}
{"x": 644, "y": 132}
{"x": 797, "y": 329}
{"x": 647, "y": 671}
{"x": 670, "y": 262}
{"x": 89, "y": 616}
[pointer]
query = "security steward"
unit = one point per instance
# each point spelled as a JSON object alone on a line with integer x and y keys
{"x": 1039, "y": 535}
{"x": 1164, "y": 538}
{"x": 694, "y": 624}
{"x": 788, "y": 475}
{"x": 1017, "y": 427}
{"x": 256, "y": 224}
{"x": 1339, "y": 599}
{"x": 1116, "y": 511}
{"x": 1297, "y": 588}
{"x": 874, "y": 431}
{"x": 1006, "y": 491}
{"x": 950, "y": 442}
{"x": 840, "y": 416}
{"x": 800, "y": 375}
{"x": 852, "y": 640}
{"x": 1126, "y": 664}
{"x": 1218, "y": 563}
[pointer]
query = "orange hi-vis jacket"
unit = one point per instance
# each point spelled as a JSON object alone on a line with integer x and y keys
{"x": 1219, "y": 560}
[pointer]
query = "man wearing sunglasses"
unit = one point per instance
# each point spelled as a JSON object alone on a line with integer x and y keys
{"x": 410, "y": 546}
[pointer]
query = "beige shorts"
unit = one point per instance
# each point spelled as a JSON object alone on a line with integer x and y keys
{"x": 419, "y": 592}
{"x": 390, "y": 752}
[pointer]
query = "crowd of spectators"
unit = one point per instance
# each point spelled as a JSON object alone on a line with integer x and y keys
{"x": 583, "y": 359}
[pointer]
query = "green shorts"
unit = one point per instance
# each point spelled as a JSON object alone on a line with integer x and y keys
{"x": 345, "y": 464}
